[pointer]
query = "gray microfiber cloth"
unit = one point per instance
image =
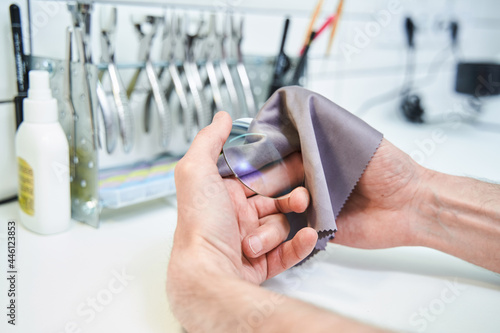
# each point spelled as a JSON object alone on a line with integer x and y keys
{"x": 336, "y": 147}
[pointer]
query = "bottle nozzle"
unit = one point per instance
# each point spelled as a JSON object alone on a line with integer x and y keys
{"x": 39, "y": 88}
{"x": 40, "y": 107}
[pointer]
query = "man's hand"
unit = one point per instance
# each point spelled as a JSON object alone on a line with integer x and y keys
{"x": 225, "y": 229}
{"x": 400, "y": 203}
{"x": 382, "y": 209}
{"x": 216, "y": 263}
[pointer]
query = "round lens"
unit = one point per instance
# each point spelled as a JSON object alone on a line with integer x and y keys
{"x": 257, "y": 162}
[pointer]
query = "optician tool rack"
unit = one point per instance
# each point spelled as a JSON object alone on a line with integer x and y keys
{"x": 144, "y": 127}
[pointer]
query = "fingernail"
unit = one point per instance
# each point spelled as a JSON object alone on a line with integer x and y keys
{"x": 255, "y": 244}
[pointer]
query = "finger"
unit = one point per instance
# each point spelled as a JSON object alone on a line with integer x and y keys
{"x": 209, "y": 141}
{"x": 270, "y": 234}
{"x": 296, "y": 201}
{"x": 234, "y": 181}
{"x": 291, "y": 252}
{"x": 197, "y": 170}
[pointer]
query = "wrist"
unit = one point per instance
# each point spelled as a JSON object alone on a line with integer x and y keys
{"x": 426, "y": 207}
{"x": 459, "y": 216}
{"x": 447, "y": 203}
{"x": 193, "y": 287}
{"x": 418, "y": 211}
{"x": 216, "y": 304}
{"x": 439, "y": 208}
{"x": 195, "y": 259}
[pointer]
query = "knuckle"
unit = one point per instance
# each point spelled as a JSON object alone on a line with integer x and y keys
{"x": 278, "y": 232}
{"x": 295, "y": 252}
{"x": 281, "y": 256}
{"x": 274, "y": 235}
{"x": 184, "y": 169}
{"x": 178, "y": 170}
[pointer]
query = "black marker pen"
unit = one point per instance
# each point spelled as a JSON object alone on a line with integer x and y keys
{"x": 21, "y": 67}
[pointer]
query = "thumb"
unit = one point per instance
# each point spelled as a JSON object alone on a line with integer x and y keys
{"x": 209, "y": 141}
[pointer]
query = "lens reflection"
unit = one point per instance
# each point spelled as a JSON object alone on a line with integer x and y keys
{"x": 259, "y": 165}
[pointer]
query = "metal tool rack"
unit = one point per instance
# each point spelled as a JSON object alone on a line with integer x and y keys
{"x": 81, "y": 125}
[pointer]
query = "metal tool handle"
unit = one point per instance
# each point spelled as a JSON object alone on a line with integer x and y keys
{"x": 247, "y": 89}
{"x": 81, "y": 20}
{"x": 214, "y": 84}
{"x": 85, "y": 12}
{"x": 161, "y": 105}
{"x": 147, "y": 106}
{"x": 202, "y": 109}
{"x": 181, "y": 93}
{"x": 86, "y": 85}
{"x": 133, "y": 82}
{"x": 107, "y": 116}
{"x": 242, "y": 73}
{"x": 125, "y": 118}
{"x": 231, "y": 89}
{"x": 69, "y": 101}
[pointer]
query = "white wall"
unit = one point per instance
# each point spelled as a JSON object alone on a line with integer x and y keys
{"x": 479, "y": 29}
{"x": 381, "y": 56}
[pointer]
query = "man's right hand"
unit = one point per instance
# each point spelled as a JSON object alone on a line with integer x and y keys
{"x": 397, "y": 202}
{"x": 382, "y": 208}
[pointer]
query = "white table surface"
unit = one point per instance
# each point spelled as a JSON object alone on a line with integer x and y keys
{"x": 60, "y": 276}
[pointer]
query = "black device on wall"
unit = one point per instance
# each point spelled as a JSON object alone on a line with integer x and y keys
{"x": 474, "y": 79}
{"x": 478, "y": 79}
{"x": 410, "y": 104}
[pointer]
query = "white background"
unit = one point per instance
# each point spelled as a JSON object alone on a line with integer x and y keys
{"x": 386, "y": 287}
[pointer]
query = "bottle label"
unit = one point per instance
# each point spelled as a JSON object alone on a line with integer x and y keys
{"x": 26, "y": 191}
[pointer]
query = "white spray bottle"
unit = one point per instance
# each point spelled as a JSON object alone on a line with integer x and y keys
{"x": 43, "y": 161}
